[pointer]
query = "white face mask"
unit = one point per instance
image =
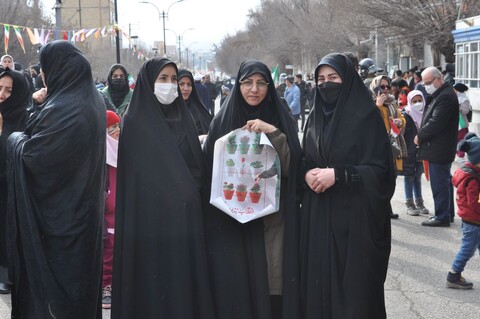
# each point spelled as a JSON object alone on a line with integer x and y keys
{"x": 166, "y": 93}
{"x": 417, "y": 106}
{"x": 430, "y": 89}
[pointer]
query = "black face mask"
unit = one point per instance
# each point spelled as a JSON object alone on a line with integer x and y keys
{"x": 118, "y": 84}
{"x": 330, "y": 91}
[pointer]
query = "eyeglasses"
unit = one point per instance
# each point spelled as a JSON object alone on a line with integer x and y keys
{"x": 383, "y": 87}
{"x": 430, "y": 82}
{"x": 248, "y": 84}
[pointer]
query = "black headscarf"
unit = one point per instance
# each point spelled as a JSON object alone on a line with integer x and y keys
{"x": 159, "y": 235}
{"x": 346, "y": 230}
{"x": 200, "y": 114}
{"x": 118, "y": 91}
{"x": 56, "y": 198}
{"x": 237, "y": 251}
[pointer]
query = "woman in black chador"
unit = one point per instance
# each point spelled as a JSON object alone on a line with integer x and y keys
{"x": 160, "y": 262}
{"x": 255, "y": 265}
{"x": 189, "y": 93}
{"x": 56, "y": 194}
{"x": 350, "y": 179}
{"x": 13, "y": 118}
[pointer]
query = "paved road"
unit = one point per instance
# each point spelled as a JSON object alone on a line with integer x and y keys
{"x": 419, "y": 262}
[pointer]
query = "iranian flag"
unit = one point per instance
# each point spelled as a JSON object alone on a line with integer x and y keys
{"x": 7, "y": 36}
{"x": 19, "y": 38}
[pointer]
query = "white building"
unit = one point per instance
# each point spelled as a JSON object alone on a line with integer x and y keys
{"x": 466, "y": 37}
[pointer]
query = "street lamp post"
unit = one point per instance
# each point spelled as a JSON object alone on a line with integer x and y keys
{"x": 188, "y": 50}
{"x": 117, "y": 33}
{"x": 163, "y": 15}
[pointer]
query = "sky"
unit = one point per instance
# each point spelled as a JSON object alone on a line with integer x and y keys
{"x": 210, "y": 20}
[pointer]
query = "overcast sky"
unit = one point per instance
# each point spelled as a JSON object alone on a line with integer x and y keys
{"x": 211, "y": 20}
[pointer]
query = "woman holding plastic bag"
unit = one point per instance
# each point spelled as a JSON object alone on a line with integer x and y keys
{"x": 252, "y": 261}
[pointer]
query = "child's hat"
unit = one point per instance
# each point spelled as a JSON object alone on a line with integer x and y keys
{"x": 112, "y": 118}
{"x": 470, "y": 145}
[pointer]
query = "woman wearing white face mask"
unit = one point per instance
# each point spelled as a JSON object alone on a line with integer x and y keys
{"x": 413, "y": 169}
{"x": 159, "y": 250}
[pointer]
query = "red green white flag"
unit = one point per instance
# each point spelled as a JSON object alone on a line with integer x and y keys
{"x": 19, "y": 37}
{"x": 7, "y": 36}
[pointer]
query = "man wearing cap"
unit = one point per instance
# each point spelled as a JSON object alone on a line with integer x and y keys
{"x": 437, "y": 140}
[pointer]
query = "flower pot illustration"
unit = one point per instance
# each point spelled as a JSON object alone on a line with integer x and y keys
{"x": 254, "y": 197}
{"x": 231, "y": 148}
{"x": 232, "y": 144}
{"x": 256, "y": 168}
{"x": 230, "y": 167}
{"x": 228, "y": 193}
{"x": 241, "y": 192}
{"x": 257, "y": 149}
{"x": 241, "y": 196}
{"x": 244, "y": 148}
{"x": 230, "y": 171}
{"x": 241, "y": 172}
{"x": 255, "y": 193}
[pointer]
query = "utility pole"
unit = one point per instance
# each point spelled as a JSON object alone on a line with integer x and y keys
{"x": 58, "y": 19}
{"x": 117, "y": 36}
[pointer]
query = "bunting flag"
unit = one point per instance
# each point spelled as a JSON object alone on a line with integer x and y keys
{"x": 43, "y": 36}
{"x": 31, "y": 36}
{"x": 90, "y": 32}
{"x": 7, "y": 37}
{"x": 37, "y": 35}
{"x": 45, "y": 41}
{"x": 275, "y": 74}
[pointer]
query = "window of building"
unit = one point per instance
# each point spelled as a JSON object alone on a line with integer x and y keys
{"x": 467, "y": 58}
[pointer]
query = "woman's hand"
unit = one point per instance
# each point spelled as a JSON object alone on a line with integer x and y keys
{"x": 1, "y": 123}
{"x": 380, "y": 100}
{"x": 320, "y": 179}
{"x": 259, "y": 126}
{"x": 397, "y": 122}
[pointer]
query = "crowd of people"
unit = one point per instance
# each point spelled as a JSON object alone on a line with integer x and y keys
{"x": 104, "y": 194}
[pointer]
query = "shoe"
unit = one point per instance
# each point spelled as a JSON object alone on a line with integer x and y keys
{"x": 393, "y": 216}
{"x": 107, "y": 297}
{"x": 433, "y": 222}
{"x": 411, "y": 209}
{"x": 420, "y": 207}
{"x": 456, "y": 281}
{"x": 5, "y": 288}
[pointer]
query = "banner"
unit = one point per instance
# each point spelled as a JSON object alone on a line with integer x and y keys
{"x": 245, "y": 177}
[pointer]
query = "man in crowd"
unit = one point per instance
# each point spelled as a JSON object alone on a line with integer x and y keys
{"x": 437, "y": 140}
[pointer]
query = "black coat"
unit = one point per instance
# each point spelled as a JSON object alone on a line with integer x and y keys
{"x": 160, "y": 259}
{"x": 438, "y": 132}
{"x": 345, "y": 231}
{"x": 237, "y": 255}
{"x": 56, "y": 199}
{"x": 14, "y": 113}
{"x": 409, "y": 163}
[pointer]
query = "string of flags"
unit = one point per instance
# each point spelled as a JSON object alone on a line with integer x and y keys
{"x": 43, "y": 35}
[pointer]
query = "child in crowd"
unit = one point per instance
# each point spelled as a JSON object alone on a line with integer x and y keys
{"x": 464, "y": 108}
{"x": 413, "y": 169}
{"x": 467, "y": 181}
